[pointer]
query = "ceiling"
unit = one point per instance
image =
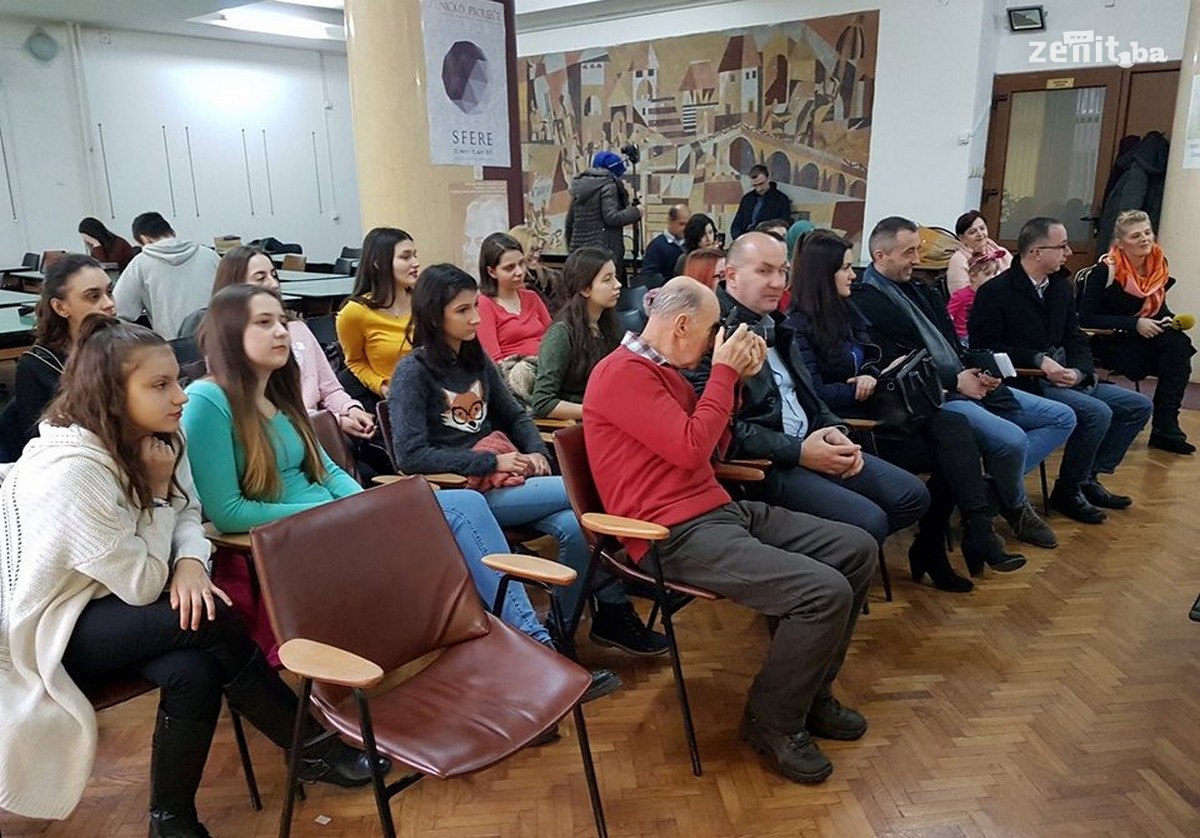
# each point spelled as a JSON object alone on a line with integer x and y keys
{"x": 174, "y": 16}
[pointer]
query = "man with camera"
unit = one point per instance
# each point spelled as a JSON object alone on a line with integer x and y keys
{"x": 815, "y": 467}
{"x": 650, "y": 444}
{"x": 600, "y": 208}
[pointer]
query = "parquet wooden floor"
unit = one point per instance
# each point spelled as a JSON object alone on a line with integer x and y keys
{"x": 1060, "y": 700}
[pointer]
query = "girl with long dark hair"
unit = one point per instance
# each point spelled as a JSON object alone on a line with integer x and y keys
{"x": 372, "y": 326}
{"x": 106, "y": 571}
{"x": 105, "y": 245}
{"x": 583, "y": 333}
{"x": 73, "y": 288}
{"x": 830, "y": 336}
{"x": 447, "y": 404}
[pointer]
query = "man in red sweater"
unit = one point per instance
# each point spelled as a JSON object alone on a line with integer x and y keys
{"x": 650, "y": 443}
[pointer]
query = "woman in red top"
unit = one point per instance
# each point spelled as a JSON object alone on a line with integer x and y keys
{"x": 512, "y": 318}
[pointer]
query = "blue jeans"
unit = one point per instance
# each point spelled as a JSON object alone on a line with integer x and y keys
{"x": 542, "y": 504}
{"x": 1014, "y": 442}
{"x": 1108, "y": 418}
{"x": 477, "y": 533}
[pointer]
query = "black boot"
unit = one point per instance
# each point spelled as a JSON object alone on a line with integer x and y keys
{"x": 981, "y": 545}
{"x": 176, "y": 766}
{"x": 927, "y": 555}
{"x": 266, "y": 702}
{"x": 1068, "y": 499}
{"x": 1166, "y": 435}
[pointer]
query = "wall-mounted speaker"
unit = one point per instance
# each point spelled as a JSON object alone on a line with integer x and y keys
{"x": 41, "y": 46}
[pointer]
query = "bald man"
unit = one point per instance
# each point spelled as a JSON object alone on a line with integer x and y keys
{"x": 651, "y": 441}
{"x": 662, "y": 253}
{"x": 816, "y": 468}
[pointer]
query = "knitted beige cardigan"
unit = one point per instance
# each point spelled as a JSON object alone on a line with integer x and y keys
{"x": 69, "y": 535}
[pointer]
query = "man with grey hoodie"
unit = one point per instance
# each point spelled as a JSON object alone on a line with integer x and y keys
{"x": 168, "y": 280}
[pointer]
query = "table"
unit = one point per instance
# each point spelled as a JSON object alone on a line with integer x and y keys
{"x": 12, "y": 299}
{"x": 322, "y": 289}
{"x": 304, "y": 276}
{"x": 16, "y": 333}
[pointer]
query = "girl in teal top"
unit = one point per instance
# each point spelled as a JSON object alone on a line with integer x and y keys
{"x": 255, "y": 457}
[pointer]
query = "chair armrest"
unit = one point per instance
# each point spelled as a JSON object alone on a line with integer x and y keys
{"x": 761, "y": 464}
{"x": 385, "y": 479}
{"x": 548, "y": 424}
{"x": 530, "y": 567}
{"x": 233, "y": 540}
{"x": 1029, "y": 372}
{"x": 328, "y": 664}
{"x": 1099, "y": 333}
{"x": 738, "y": 474}
{"x": 446, "y": 480}
{"x": 860, "y": 424}
{"x": 547, "y": 437}
{"x": 623, "y": 527}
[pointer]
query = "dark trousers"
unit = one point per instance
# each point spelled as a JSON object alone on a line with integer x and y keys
{"x": 1108, "y": 418}
{"x": 880, "y": 499}
{"x": 811, "y": 573}
{"x": 947, "y": 450}
{"x": 190, "y": 667}
{"x": 1167, "y": 356}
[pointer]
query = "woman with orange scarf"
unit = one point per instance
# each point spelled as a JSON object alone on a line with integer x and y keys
{"x": 1127, "y": 292}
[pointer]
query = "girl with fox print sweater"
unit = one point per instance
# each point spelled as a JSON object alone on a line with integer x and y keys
{"x": 446, "y": 397}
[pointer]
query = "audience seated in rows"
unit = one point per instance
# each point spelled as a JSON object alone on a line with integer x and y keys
{"x": 73, "y": 288}
{"x": 815, "y": 467}
{"x": 105, "y": 570}
{"x": 451, "y": 412}
{"x": 584, "y": 331}
{"x": 372, "y": 326}
{"x": 1127, "y": 291}
{"x": 1016, "y": 430}
{"x": 168, "y": 280}
{"x": 1028, "y": 312}
{"x": 830, "y": 336}
{"x": 650, "y": 442}
{"x": 104, "y": 245}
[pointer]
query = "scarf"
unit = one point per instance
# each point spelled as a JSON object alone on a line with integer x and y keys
{"x": 945, "y": 357}
{"x": 1151, "y": 287}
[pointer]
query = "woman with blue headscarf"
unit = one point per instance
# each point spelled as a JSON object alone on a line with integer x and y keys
{"x": 600, "y": 208}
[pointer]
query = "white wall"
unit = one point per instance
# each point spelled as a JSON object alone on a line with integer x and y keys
{"x": 136, "y": 85}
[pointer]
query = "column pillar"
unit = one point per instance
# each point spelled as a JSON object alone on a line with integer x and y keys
{"x": 1181, "y": 198}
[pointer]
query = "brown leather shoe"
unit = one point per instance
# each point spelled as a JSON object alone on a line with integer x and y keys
{"x": 794, "y": 755}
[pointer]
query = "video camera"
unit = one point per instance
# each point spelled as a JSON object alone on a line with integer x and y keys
{"x": 632, "y": 152}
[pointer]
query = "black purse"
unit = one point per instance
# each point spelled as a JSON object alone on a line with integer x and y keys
{"x": 906, "y": 394}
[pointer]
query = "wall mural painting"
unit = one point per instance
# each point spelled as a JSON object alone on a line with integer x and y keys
{"x": 702, "y": 109}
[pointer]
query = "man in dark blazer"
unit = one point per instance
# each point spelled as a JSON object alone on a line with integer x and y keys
{"x": 1028, "y": 312}
{"x": 816, "y": 468}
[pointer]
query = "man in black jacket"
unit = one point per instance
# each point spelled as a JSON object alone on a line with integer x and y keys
{"x": 1029, "y": 312}
{"x": 600, "y": 209}
{"x": 762, "y": 203}
{"x": 815, "y": 468}
{"x": 664, "y": 250}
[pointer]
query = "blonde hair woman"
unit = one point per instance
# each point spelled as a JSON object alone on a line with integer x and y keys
{"x": 1127, "y": 291}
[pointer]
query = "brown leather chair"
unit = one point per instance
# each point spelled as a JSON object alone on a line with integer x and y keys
{"x": 602, "y": 530}
{"x": 329, "y": 434}
{"x": 383, "y": 418}
{"x": 389, "y": 599}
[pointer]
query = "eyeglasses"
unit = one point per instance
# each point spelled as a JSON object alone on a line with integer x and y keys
{"x": 1060, "y": 247}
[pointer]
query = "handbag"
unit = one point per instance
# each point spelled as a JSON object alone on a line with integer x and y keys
{"x": 906, "y": 394}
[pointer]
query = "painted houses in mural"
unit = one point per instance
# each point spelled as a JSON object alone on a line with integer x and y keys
{"x": 703, "y": 109}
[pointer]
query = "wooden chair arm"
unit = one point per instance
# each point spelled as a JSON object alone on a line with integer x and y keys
{"x": 547, "y": 437}
{"x": 738, "y": 474}
{"x": 446, "y": 480}
{"x": 860, "y": 424}
{"x": 233, "y": 540}
{"x": 623, "y": 527}
{"x": 1099, "y": 333}
{"x": 1029, "y": 372}
{"x": 548, "y": 424}
{"x": 328, "y": 664}
{"x": 531, "y": 567}
{"x": 761, "y": 464}
{"x": 385, "y": 479}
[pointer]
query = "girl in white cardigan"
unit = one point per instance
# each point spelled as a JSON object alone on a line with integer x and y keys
{"x": 104, "y": 569}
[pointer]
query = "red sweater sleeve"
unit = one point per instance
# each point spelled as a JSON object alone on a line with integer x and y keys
{"x": 488, "y": 338}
